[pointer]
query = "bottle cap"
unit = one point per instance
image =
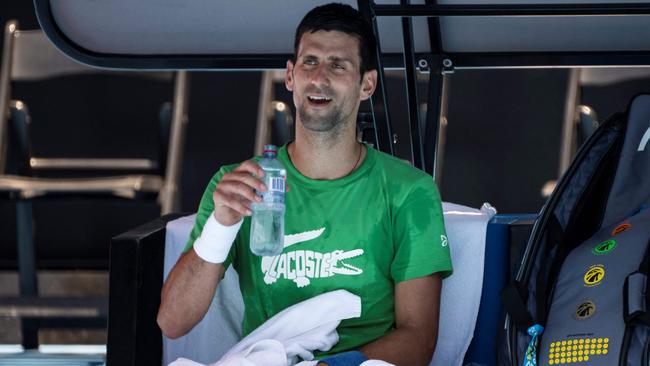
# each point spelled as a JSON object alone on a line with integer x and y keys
{"x": 270, "y": 149}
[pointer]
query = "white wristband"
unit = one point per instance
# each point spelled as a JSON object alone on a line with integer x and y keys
{"x": 213, "y": 245}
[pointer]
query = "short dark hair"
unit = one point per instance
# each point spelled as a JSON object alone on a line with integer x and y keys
{"x": 342, "y": 18}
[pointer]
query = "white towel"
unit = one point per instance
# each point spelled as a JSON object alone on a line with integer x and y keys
{"x": 295, "y": 332}
{"x": 461, "y": 293}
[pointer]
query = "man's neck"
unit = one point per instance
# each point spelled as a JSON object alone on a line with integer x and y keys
{"x": 322, "y": 158}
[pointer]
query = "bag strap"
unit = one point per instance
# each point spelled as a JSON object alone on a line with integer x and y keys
{"x": 512, "y": 297}
{"x": 636, "y": 293}
{"x": 546, "y": 279}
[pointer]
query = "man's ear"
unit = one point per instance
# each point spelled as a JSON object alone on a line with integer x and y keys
{"x": 368, "y": 84}
{"x": 288, "y": 76}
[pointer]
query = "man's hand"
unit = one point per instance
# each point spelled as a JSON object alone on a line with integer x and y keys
{"x": 235, "y": 194}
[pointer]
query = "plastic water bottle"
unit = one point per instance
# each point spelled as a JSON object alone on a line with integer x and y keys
{"x": 267, "y": 223}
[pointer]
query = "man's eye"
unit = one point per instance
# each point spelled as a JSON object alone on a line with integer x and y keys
{"x": 310, "y": 62}
{"x": 338, "y": 66}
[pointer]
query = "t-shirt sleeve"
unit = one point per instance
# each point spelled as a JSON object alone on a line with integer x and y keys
{"x": 419, "y": 236}
{"x": 206, "y": 207}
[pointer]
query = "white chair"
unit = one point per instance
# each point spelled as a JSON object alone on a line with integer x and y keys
{"x": 220, "y": 329}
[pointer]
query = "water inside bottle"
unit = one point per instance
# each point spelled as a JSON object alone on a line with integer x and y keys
{"x": 267, "y": 229}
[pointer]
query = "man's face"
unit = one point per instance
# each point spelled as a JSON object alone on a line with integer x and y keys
{"x": 325, "y": 80}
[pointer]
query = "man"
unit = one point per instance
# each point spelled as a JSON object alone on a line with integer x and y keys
{"x": 369, "y": 223}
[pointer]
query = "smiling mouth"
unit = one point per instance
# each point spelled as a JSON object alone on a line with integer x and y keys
{"x": 319, "y": 100}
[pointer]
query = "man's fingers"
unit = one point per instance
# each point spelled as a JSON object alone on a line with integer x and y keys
{"x": 236, "y": 190}
{"x": 235, "y": 203}
{"x": 241, "y": 189}
{"x": 245, "y": 178}
{"x": 250, "y": 166}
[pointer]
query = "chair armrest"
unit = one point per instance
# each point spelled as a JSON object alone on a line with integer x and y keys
{"x": 136, "y": 278}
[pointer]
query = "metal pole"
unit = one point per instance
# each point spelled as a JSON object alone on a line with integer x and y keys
{"x": 5, "y": 88}
{"x": 441, "y": 128}
{"x": 170, "y": 200}
{"x": 435, "y": 37}
{"x": 26, "y": 248}
{"x": 412, "y": 93}
{"x": 27, "y": 275}
{"x": 433, "y": 138}
{"x": 263, "y": 109}
{"x": 568, "y": 142}
{"x": 379, "y": 101}
{"x": 435, "y": 121}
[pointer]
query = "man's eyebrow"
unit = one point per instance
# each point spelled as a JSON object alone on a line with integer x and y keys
{"x": 340, "y": 59}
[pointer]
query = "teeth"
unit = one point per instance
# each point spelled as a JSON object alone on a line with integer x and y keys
{"x": 318, "y": 98}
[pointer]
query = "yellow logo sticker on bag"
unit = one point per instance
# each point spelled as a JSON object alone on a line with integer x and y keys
{"x": 594, "y": 275}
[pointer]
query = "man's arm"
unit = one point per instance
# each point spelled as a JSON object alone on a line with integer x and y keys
{"x": 190, "y": 286}
{"x": 187, "y": 294}
{"x": 417, "y": 309}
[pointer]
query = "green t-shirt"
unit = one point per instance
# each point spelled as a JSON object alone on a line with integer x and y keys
{"x": 364, "y": 233}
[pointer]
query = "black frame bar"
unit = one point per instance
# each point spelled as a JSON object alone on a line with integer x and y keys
{"x": 411, "y": 78}
{"x": 512, "y": 10}
{"x": 523, "y": 60}
{"x": 435, "y": 96}
{"x": 383, "y": 127}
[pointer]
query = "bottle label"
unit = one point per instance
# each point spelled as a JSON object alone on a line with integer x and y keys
{"x": 275, "y": 192}
{"x": 276, "y": 184}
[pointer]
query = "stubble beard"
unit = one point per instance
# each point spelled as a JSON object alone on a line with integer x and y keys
{"x": 329, "y": 122}
{"x": 325, "y": 125}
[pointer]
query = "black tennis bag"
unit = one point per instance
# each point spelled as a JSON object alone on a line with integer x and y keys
{"x": 584, "y": 273}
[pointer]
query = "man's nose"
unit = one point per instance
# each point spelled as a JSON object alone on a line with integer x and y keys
{"x": 320, "y": 75}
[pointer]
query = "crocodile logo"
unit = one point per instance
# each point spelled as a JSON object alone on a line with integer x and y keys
{"x": 301, "y": 266}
